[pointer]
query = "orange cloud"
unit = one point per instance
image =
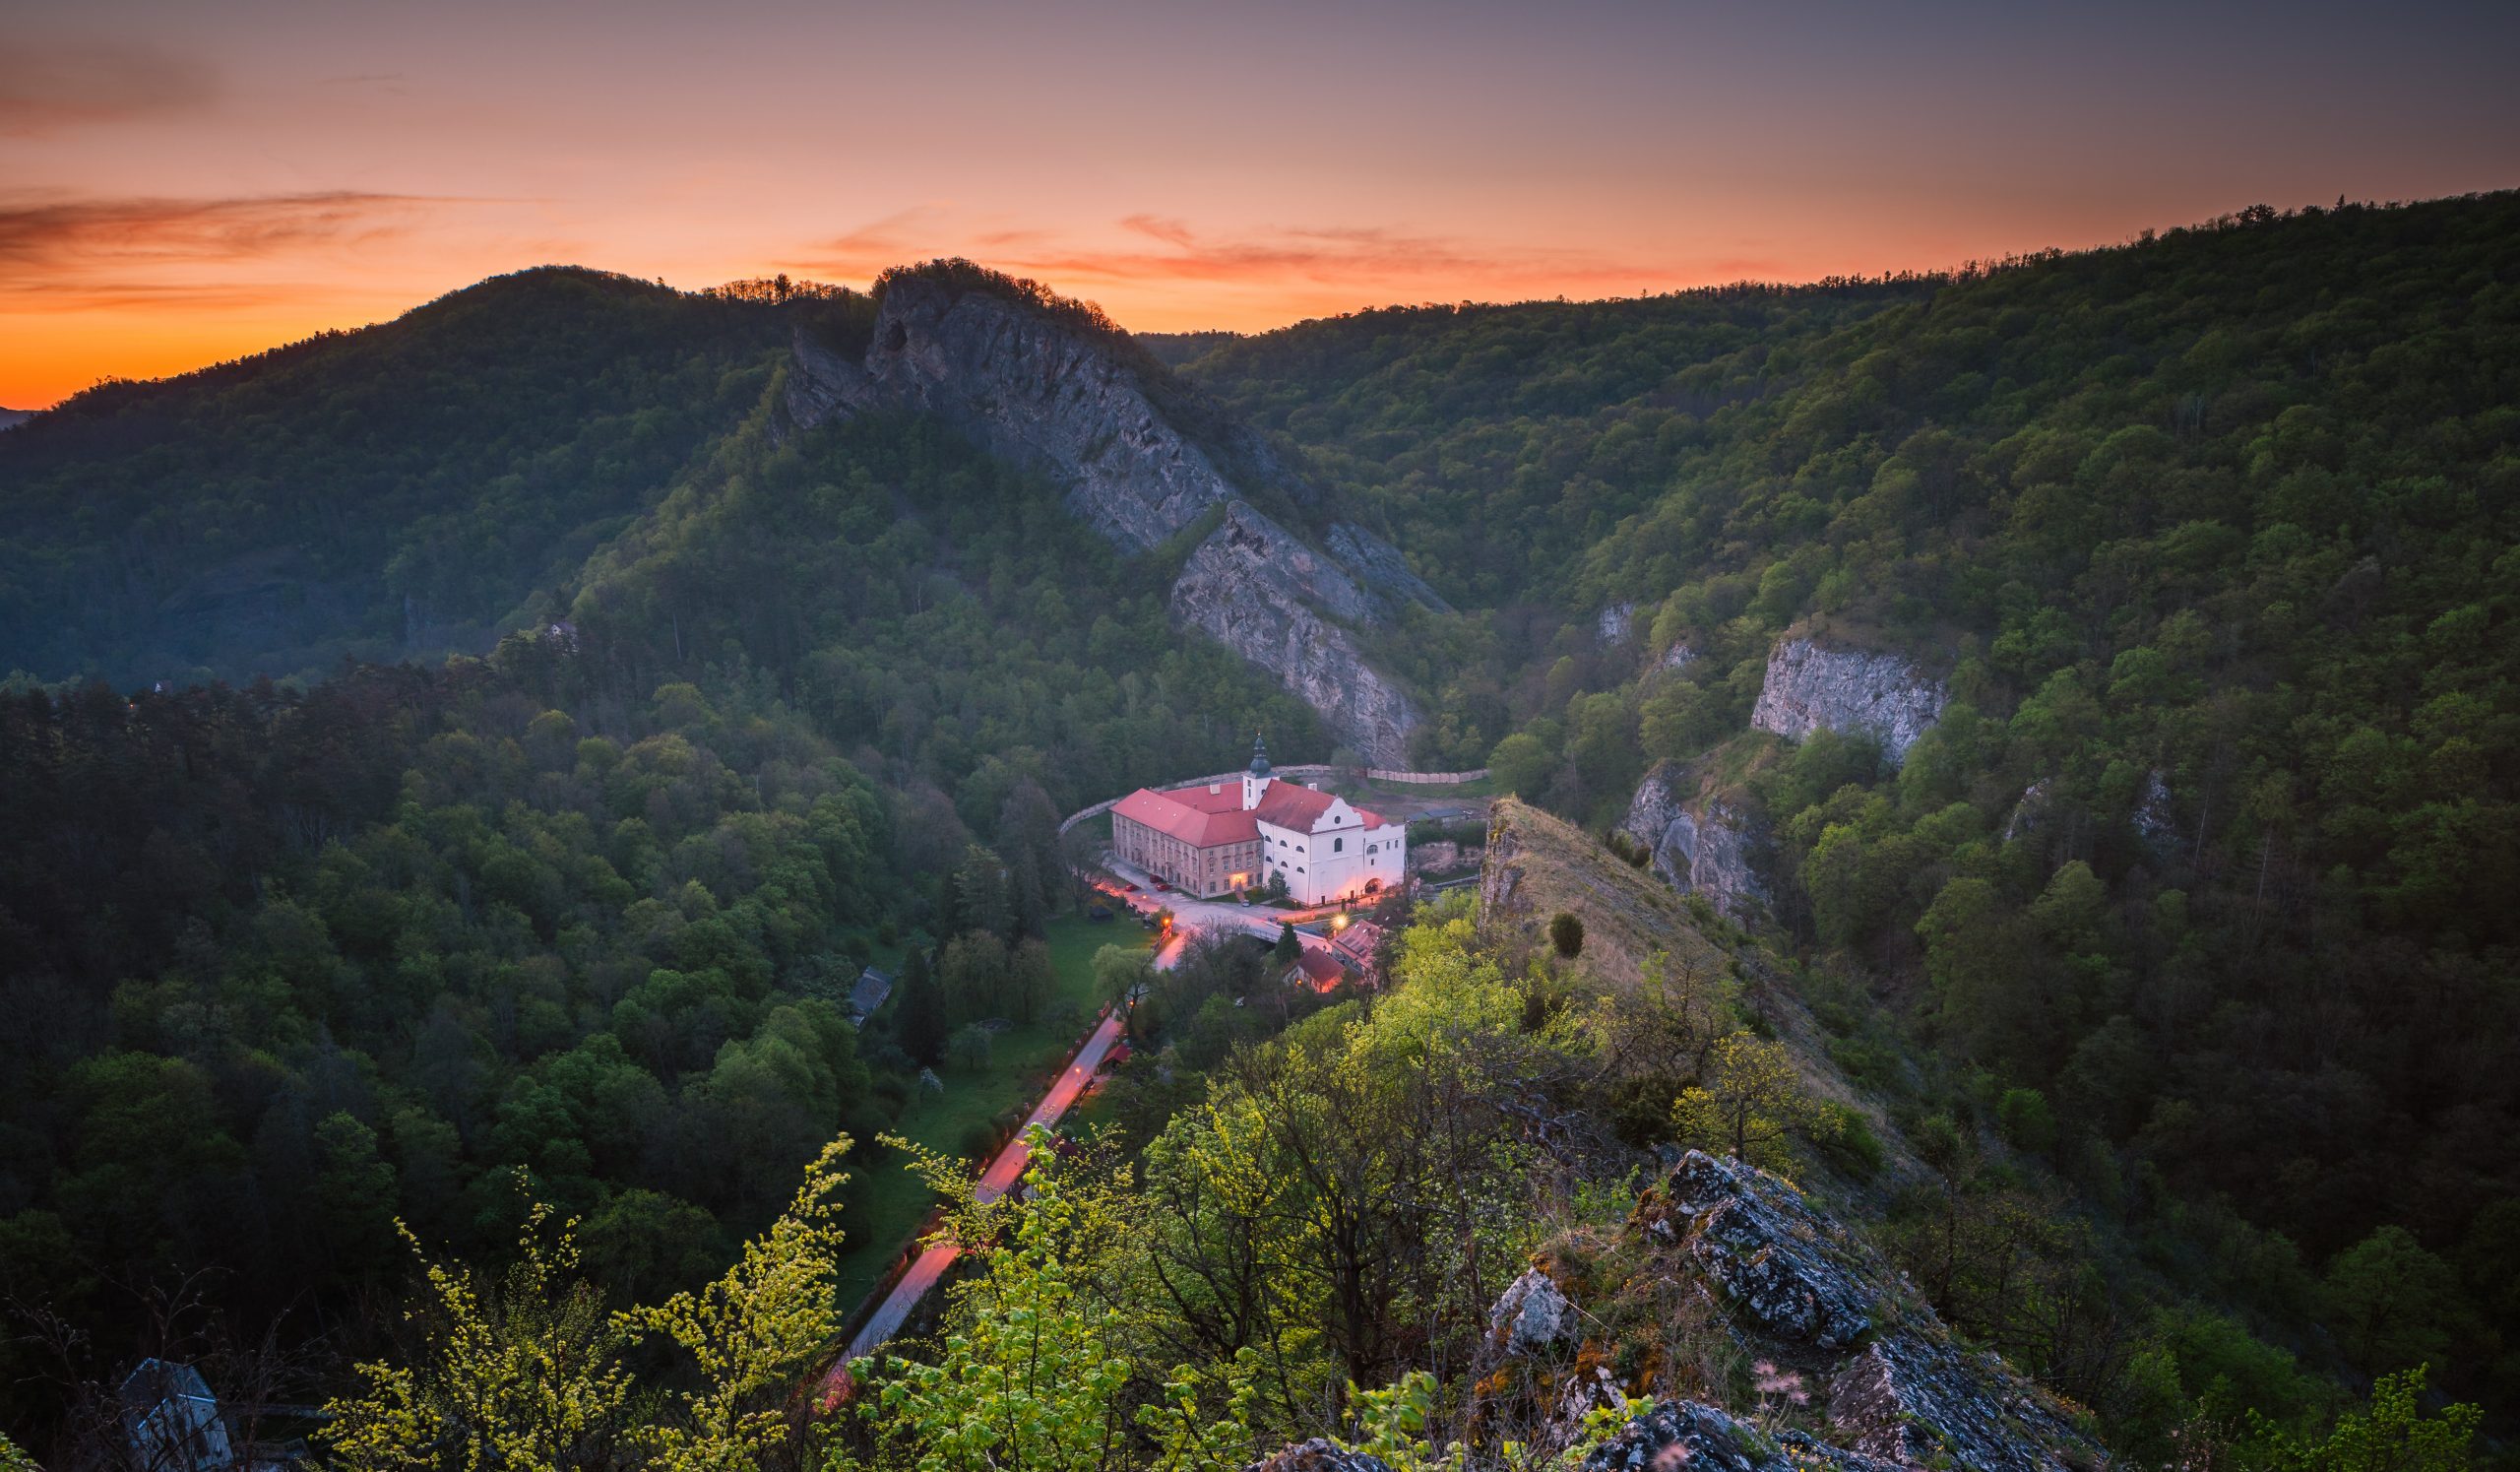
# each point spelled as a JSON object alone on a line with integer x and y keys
{"x": 45, "y": 87}
{"x": 1355, "y": 259}
{"x": 74, "y": 253}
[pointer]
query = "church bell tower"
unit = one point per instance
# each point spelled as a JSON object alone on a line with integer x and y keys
{"x": 1256, "y": 781}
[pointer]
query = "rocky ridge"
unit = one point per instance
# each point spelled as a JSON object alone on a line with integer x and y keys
{"x": 1854, "y": 1372}
{"x": 1070, "y": 403}
{"x": 1811, "y": 687}
{"x": 1701, "y": 845}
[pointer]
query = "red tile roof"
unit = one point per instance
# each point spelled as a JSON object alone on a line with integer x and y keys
{"x": 1173, "y": 814}
{"x": 1321, "y": 968}
{"x": 1211, "y": 815}
{"x": 1358, "y": 940}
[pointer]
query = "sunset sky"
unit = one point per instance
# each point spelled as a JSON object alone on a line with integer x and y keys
{"x": 183, "y": 182}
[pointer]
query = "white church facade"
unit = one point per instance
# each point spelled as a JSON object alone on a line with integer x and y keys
{"x": 1219, "y": 837}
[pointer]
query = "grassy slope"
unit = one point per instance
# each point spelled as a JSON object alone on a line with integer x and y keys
{"x": 1539, "y": 864}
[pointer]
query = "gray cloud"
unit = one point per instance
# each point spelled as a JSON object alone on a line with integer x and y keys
{"x": 46, "y": 87}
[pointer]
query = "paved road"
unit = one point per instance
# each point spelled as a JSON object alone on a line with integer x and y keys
{"x": 1000, "y": 1176}
{"x": 1189, "y": 916}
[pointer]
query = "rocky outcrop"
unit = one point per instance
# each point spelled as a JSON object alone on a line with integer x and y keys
{"x": 1811, "y": 687}
{"x": 2030, "y": 813}
{"x": 1033, "y": 387}
{"x": 1531, "y": 1315}
{"x": 1686, "y": 1433}
{"x": 1261, "y": 593}
{"x": 1680, "y": 655}
{"x": 1614, "y": 623}
{"x": 1699, "y": 847}
{"x": 1320, "y": 1454}
{"x": 1804, "y": 1292}
{"x": 1850, "y": 1369}
{"x": 2156, "y": 820}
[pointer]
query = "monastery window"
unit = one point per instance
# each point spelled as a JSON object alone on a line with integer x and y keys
{"x": 1338, "y": 846}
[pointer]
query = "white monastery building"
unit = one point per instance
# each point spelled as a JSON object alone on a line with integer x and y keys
{"x": 1218, "y": 837}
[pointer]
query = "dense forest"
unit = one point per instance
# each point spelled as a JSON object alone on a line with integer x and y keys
{"x": 398, "y": 490}
{"x": 297, "y": 962}
{"x": 2213, "y": 537}
{"x": 2170, "y": 966}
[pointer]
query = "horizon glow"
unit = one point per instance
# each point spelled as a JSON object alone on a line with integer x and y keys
{"x": 180, "y": 186}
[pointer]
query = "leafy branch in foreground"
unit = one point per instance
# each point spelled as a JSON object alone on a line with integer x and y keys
{"x": 526, "y": 1373}
{"x": 529, "y": 1375}
{"x": 750, "y": 1331}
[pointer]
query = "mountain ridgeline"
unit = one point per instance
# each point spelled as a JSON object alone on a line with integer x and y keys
{"x": 2030, "y": 752}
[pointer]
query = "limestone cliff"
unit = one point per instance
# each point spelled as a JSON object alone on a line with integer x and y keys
{"x": 1811, "y": 687}
{"x": 1257, "y": 590}
{"x": 1701, "y": 843}
{"x": 1141, "y": 459}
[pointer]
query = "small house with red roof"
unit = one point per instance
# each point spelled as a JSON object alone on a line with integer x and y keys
{"x": 1358, "y": 944}
{"x": 1317, "y": 969}
{"x": 1218, "y": 837}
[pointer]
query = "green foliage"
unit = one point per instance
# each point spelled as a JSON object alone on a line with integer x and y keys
{"x": 525, "y": 1373}
{"x": 1750, "y": 1106}
{"x": 1034, "y": 1369}
{"x": 2392, "y": 1435}
{"x": 399, "y": 489}
{"x": 531, "y": 1372}
{"x": 1567, "y": 933}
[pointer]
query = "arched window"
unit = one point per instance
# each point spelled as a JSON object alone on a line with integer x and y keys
{"x": 1338, "y": 846}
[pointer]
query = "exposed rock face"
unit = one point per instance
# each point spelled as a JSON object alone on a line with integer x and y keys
{"x": 1760, "y": 1247}
{"x": 1874, "y": 1381}
{"x": 1072, "y": 403}
{"x": 1678, "y": 657}
{"x": 1033, "y": 389}
{"x": 1698, "y": 1437}
{"x": 2156, "y": 820}
{"x": 1263, "y": 594}
{"x": 1533, "y": 1315}
{"x": 1706, "y": 851}
{"x": 1320, "y": 1454}
{"x": 2030, "y": 811}
{"x": 1898, "y": 1392}
{"x": 1812, "y": 687}
{"x": 1613, "y": 623}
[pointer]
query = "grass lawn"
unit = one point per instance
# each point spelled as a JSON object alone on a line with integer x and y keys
{"x": 886, "y": 1212}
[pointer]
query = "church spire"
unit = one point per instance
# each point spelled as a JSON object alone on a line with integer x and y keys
{"x": 1259, "y": 756}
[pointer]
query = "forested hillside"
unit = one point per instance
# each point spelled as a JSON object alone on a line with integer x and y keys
{"x": 397, "y": 491}
{"x": 292, "y": 966}
{"x": 2153, "y": 1011}
{"x": 2211, "y": 540}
